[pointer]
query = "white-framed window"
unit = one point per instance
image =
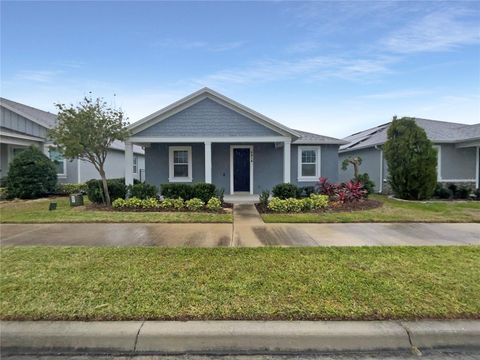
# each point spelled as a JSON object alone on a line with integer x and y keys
{"x": 59, "y": 161}
{"x": 135, "y": 164}
{"x": 308, "y": 163}
{"x": 180, "y": 163}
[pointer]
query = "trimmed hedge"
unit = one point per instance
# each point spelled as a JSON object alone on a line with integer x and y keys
{"x": 201, "y": 191}
{"x": 286, "y": 191}
{"x": 142, "y": 191}
{"x": 178, "y": 204}
{"x": 68, "y": 189}
{"x": 313, "y": 202}
{"x": 116, "y": 188}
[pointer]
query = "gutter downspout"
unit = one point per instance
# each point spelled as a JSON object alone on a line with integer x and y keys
{"x": 380, "y": 186}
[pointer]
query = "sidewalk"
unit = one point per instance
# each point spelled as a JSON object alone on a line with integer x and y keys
{"x": 235, "y": 337}
{"x": 248, "y": 230}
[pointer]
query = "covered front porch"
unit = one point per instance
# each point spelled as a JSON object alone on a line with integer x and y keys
{"x": 241, "y": 166}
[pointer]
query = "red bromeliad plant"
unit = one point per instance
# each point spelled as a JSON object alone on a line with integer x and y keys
{"x": 342, "y": 192}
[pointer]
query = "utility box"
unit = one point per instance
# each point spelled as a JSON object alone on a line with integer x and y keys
{"x": 76, "y": 200}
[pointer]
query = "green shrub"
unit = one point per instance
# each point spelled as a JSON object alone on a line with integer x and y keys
{"x": 172, "y": 204}
{"x": 68, "y": 189}
{"x": 194, "y": 204}
{"x": 214, "y": 204}
{"x": 116, "y": 188}
{"x": 142, "y": 190}
{"x": 319, "y": 201}
{"x": 463, "y": 192}
{"x": 175, "y": 191}
{"x": 219, "y": 193}
{"x": 286, "y": 191}
{"x": 306, "y": 191}
{"x": 294, "y": 205}
{"x": 277, "y": 205}
{"x": 441, "y": 192}
{"x": 263, "y": 198}
{"x": 412, "y": 160}
{"x": 31, "y": 175}
{"x": 315, "y": 201}
{"x": 119, "y": 203}
{"x": 204, "y": 191}
{"x": 368, "y": 184}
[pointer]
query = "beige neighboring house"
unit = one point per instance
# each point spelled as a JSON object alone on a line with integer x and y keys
{"x": 22, "y": 126}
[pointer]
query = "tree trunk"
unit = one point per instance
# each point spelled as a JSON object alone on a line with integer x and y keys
{"x": 105, "y": 187}
{"x": 355, "y": 169}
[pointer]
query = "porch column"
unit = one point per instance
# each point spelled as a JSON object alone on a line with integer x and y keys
{"x": 128, "y": 163}
{"x": 286, "y": 161}
{"x": 478, "y": 168}
{"x": 208, "y": 162}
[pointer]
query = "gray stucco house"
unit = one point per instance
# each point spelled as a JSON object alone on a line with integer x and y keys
{"x": 207, "y": 137}
{"x": 22, "y": 126}
{"x": 457, "y": 145}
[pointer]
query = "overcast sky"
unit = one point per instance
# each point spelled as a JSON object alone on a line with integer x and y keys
{"x": 332, "y": 68}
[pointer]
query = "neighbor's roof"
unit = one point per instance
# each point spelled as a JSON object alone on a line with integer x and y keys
{"x": 42, "y": 118}
{"x": 437, "y": 131}
{"x": 49, "y": 120}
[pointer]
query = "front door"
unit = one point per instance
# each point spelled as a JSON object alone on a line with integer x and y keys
{"x": 241, "y": 169}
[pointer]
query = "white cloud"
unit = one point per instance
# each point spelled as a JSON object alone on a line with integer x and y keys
{"x": 43, "y": 76}
{"x": 197, "y": 45}
{"x": 308, "y": 68}
{"x": 438, "y": 31}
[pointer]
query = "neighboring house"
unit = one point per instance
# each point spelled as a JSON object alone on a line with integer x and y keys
{"x": 207, "y": 137}
{"x": 457, "y": 144}
{"x": 22, "y": 126}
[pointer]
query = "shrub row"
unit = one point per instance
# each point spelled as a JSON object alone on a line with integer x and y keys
{"x": 453, "y": 191}
{"x": 313, "y": 202}
{"x": 201, "y": 191}
{"x": 69, "y": 189}
{"x": 287, "y": 191}
{"x": 194, "y": 204}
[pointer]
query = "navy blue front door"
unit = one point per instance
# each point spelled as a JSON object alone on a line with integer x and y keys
{"x": 241, "y": 169}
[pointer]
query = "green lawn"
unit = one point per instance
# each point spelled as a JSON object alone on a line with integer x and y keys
{"x": 62, "y": 283}
{"x": 36, "y": 211}
{"x": 391, "y": 211}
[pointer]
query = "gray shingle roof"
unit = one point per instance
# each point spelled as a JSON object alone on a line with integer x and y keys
{"x": 49, "y": 120}
{"x": 310, "y": 138}
{"x": 43, "y": 118}
{"x": 437, "y": 131}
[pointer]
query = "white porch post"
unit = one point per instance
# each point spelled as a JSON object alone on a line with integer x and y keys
{"x": 128, "y": 163}
{"x": 286, "y": 161}
{"x": 208, "y": 162}
{"x": 478, "y": 168}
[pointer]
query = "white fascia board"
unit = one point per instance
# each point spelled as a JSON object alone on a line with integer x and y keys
{"x": 230, "y": 139}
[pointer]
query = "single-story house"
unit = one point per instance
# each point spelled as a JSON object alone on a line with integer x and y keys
{"x": 457, "y": 144}
{"x": 207, "y": 137}
{"x": 22, "y": 126}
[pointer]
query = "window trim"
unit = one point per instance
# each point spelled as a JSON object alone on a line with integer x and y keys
{"x": 135, "y": 164}
{"x": 60, "y": 175}
{"x": 171, "y": 177}
{"x": 318, "y": 154}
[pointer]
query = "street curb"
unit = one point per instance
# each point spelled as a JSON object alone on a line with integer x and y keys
{"x": 233, "y": 337}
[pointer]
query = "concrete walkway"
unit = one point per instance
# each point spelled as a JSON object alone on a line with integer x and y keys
{"x": 248, "y": 230}
{"x": 232, "y": 337}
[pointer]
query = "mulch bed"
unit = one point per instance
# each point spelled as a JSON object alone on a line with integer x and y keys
{"x": 366, "y": 204}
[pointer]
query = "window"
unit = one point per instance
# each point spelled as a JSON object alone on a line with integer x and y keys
{"x": 308, "y": 163}
{"x": 59, "y": 161}
{"x": 180, "y": 161}
{"x": 135, "y": 162}
{"x": 17, "y": 151}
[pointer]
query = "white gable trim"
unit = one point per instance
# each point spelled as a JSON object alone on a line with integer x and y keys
{"x": 200, "y": 95}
